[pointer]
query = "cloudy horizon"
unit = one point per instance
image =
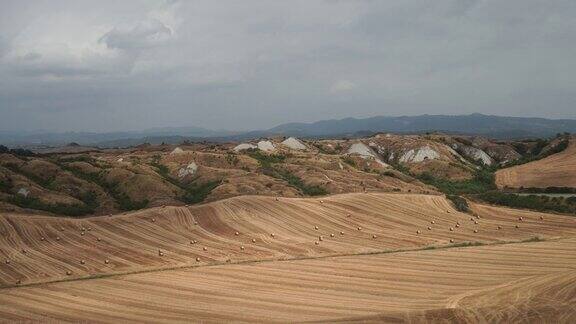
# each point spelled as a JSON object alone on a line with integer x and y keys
{"x": 133, "y": 65}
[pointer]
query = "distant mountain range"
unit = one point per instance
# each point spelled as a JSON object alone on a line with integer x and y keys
{"x": 474, "y": 124}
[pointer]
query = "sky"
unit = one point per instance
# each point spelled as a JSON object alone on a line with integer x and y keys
{"x": 240, "y": 65}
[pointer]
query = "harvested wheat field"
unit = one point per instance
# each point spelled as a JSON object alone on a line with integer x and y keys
{"x": 41, "y": 249}
{"x": 557, "y": 170}
{"x": 522, "y": 282}
{"x": 238, "y": 259}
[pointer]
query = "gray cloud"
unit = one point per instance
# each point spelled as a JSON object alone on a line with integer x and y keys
{"x": 109, "y": 65}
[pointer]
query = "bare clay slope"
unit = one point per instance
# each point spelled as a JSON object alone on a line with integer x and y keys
{"x": 557, "y": 170}
{"x": 36, "y": 249}
{"x": 513, "y": 283}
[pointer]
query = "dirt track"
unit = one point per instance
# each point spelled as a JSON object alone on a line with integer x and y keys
{"x": 557, "y": 170}
{"x": 327, "y": 288}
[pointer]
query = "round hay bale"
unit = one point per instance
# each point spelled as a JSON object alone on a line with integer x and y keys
{"x": 341, "y": 233}
{"x": 98, "y": 239}
{"x": 153, "y": 220}
{"x": 273, "y": 235}
{"x": 332, "y": 235}
{"x": 82, "y": 229}
{"x": 42, "y": 238}
{"x": 520, "y": 218}
{"x": 195, "y": 223}
{"x": 541, "y": 217}
{"x": 236, "y": 233}
{"x": 418, "y": 232}
{"x": 321, "y": 201}
{"x": 253, "y": 240}
{"x": 374, "y": 236}
{"x": 197, "y": 259}
{"x": 359, "y": 228}
{"x": 475, "y": 222}
{"x": 82, "y": 234}
{"x": 432, "y": 222}
{"x": 475, "y": 231}
{"x": 7, "y": 261}
{"x": 82, "y": 262}
{"x": 89, "y": 229}
{"x": 429, "y": 228}
{"x": 457, "y": 225}
{"x": 68, "y": 273}
{"x": 204, "y": 249}
{"x": 242, "y": 247}
{"x": 320, "y": 238}
{"x": 517, "y": 226}
{"x": 451, "y": 229}
{"x": 316, "y": 242}
{"x": 277, "y": 199}
{"x": 57, "y": 238}
{"x": 451, "y": 241}
{"x": 316, "y": 227}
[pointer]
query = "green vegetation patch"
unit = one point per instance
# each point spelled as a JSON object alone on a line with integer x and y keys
{"x": 6, "y": 185}
{"x": 60, "y": 209}
{"x": 196, "y": 193}
{"x": 267, "y": 163}
{"x": 483, "y": 181}
{"x": 123, "y": 201}
{"x": 459, "y": 203}
{"x": 534, "y": 202}
{"x": 349, "y": 160}
{"x": 294, "y": 181}
{"x": 536, "y": 152}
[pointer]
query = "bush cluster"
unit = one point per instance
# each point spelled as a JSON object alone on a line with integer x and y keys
{"x": 534, "y": 202}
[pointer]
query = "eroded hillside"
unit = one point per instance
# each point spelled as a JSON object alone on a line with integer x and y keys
{"x": 73, "y": 182}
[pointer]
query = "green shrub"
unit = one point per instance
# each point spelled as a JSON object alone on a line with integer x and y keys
{"x": 350, "y": 161}
{"x": 196, "y": 193}
{"x": 6, "y": 185}
{"x": 459, "y": 203}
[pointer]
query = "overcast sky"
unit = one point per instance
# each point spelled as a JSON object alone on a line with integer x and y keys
{"x": 238, "y": 65}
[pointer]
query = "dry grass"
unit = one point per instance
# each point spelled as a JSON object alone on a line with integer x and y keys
{"x": 557, "y": 170}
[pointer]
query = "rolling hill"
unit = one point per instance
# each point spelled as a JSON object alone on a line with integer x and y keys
{"x": 556, "y": 170}
{"x": 290, "y": 260}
